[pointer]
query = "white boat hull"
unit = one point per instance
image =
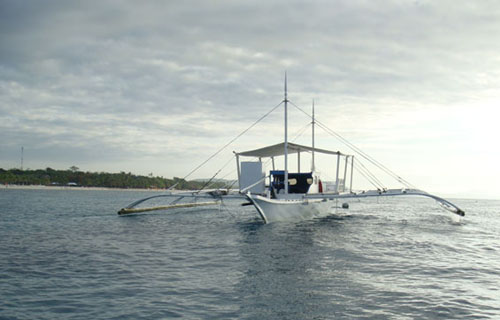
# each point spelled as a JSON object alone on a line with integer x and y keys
{"x": 272, "y": 210}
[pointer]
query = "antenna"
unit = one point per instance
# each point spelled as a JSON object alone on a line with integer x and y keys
{"x": 286, "y": 138}
{"x": 313, "y": 122}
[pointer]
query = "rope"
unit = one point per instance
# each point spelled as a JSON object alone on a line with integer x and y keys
{"x": 230, "y": 142}
{"x": 208, "y": 182}
{"x": 361, "y": 166}
{"x": 213, "y": 177}
{"x": 232, "y": 184}
{"x": 367, "y": 176}
{"x": 301, "y": 132}
{"x": 367, "y": 157}
{"x": 357, "y": 150}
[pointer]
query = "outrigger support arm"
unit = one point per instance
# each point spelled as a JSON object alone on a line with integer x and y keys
{"x": 131, "y": 208}
{"x": 391, "y": 193}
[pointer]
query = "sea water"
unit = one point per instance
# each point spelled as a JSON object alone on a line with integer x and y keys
{"x": 66, "y": 254}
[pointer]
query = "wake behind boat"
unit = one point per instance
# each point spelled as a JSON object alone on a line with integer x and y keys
{"x": 283, "y": 195}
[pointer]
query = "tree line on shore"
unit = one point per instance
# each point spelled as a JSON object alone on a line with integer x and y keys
{"x": 73, "y": 177}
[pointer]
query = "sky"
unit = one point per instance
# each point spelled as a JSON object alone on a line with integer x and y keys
{"x": 159, "y": 86}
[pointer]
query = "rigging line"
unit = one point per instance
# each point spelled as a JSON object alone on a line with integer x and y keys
{"x": 301, "y": 132}
{"x": 223, "y": 178}
{"x": 364, "y": 171}
{"x": 353, "y": 147}
{"x": 232, "y": 181}
{"x": 233, "y": 140}
{"x": 222, "y": 168}
{"x": 361, "y": 167}
{"x": 361, "y": 171}
{"x": 227, "y": 210}
{"x": 209, "y": 181}
{"x": 367, "y": 179}
{"x": 232, "y": 184}
{"x": 366, "y": 156}
{"x": 367, "y": 171}
{"x": 358, "y": 150}
{"x": 231, "y": 172}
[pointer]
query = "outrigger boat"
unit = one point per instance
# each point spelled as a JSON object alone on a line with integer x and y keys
{"x": 303, "y": 196}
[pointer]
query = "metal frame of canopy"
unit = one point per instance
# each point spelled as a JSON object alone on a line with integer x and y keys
{"x": 278, "y": 150}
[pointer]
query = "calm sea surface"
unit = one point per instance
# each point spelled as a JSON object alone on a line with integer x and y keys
{"x": 66, "y": 254}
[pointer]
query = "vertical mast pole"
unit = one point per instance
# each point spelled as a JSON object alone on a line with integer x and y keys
{"x": 313, "y": 122}
{"x": 286, "y": 139}
{"x": 22, "y": 158}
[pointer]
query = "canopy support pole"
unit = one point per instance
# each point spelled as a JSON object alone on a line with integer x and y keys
{"x": 298, "y": 161}
{"x": 352, "y": 171}
{"x": 345, "y": 173}
{"x": 238, "y": 169}
{"x": 337, "y": 175}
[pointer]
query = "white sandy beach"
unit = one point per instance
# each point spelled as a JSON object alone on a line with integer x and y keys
{"x": 42, "y": 187}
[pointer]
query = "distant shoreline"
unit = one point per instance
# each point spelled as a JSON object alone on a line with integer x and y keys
{"x": 42, "y": 178}
{"x": 42, "y": 187}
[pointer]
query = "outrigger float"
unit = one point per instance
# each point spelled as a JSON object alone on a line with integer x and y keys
{"x": 304, "y": 195}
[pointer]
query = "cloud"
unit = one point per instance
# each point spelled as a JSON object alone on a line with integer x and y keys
{"x": 171, "y": 80}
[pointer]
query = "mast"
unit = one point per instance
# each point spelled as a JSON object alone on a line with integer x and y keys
{"x": 312, "y": 162}
{"x": 286, "y": 139}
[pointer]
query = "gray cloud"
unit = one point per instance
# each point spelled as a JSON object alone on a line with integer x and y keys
{"x": 162, "y": 79}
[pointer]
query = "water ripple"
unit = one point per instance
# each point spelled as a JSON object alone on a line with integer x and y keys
{"x": 67, "y": 255}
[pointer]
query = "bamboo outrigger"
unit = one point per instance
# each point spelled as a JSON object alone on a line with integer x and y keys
{"x": 124, "y": 211}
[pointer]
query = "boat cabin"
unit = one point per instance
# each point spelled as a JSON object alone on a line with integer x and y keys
{"x": 252, "y": 177}
{"x": 297, "y": 182}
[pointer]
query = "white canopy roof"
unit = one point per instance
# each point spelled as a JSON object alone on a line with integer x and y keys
{"x": 279, "y": 150}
